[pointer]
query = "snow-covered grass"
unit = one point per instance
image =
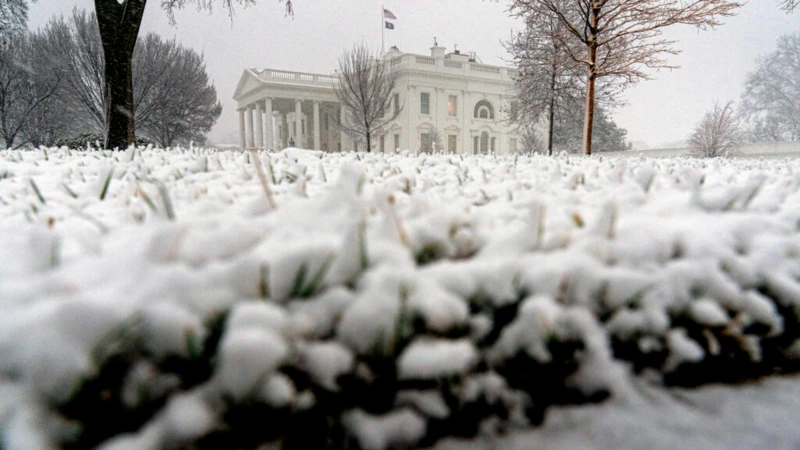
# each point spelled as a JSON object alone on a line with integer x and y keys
{"x": 155, "y": 298}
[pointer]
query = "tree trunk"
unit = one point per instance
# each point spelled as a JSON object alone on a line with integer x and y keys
{"x": 588, "y": 120}
{"x": 368, "y": 136}
{"x": 590, "y": 79}
{"x": 552, "y": 112}
{"x": 119, "y": 27}
{"x": 120, "y": 125}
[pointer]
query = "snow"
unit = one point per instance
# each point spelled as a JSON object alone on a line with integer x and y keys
{"x": 425, "y": 359}
{"x": 247, "y": 355}
{"x": 326, "y": 361}
{"x": 758, "y": 415}
{"x": 400, "y": 429}
{"x": 682, "y": 349}
{"x": 388, "y": 256}
{"x": 708, "y": 312}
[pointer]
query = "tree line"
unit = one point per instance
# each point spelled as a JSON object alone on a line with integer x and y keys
{"x": 768, "y": 111}
{"x": 52, "y": 87}
{"x": 592, "y": 50}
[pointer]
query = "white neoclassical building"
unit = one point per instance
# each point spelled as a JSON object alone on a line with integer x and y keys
{"x": 450, "y": 94}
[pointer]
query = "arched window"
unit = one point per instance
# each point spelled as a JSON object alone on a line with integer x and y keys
{"x": 483, "y": 110}
{"x": 484, "y": 142}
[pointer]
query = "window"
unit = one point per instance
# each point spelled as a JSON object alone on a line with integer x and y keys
{"x": 383, "y": 148}
{"x": 396, "y": 104}
{"x": 484, "y": 142}
{"x": 512, "y": 145}
{"x": 452, "y": 106}
{"x": 492, "y": 147}
{"x": 451, "y": 143}
{"x": 424, "y": 103}
{"x": 326, "y": 121}
{"x": 483, "y": 110}
{"x": 396, "y": 142}
{"x": 425, "y": 142}
{"x": 475, "y": 145}
{"x": 302, "y": 126}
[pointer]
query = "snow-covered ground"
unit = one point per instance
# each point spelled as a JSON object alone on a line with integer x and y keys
{"x": 757, "y": 415}
{"x": 664, "y": 264}
{"x": 767, "y": 150}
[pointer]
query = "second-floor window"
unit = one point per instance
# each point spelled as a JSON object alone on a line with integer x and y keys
{"x": 483, "y": 110}
{"x": 396, "y": 104}
{"x": 424, "y": 103}
{"x": 452, "y": 106}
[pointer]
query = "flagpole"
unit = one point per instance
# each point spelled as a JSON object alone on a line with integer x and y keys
{"x": 383, "y": 26}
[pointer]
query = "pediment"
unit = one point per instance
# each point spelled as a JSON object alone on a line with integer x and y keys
{"x": 248, "y": 81}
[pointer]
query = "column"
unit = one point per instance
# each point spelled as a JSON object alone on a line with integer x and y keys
{"x": 268, "y": 135}
{"x": 466, "y": 114}
{"x": 242, "y": 141}
{"x": 438, "y": 121}
{"x": 412, "y": 109}
{"x": 250, "y": 139}
{"x": 259, "y": 125}
{"x": 285, "y": 130}
{"x": 343, "y": 120}
{"x": 316, "y": 126}
{"x": 298, "y": 123}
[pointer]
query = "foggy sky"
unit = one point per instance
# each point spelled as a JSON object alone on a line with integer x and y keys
{"x": 713, "y": 63}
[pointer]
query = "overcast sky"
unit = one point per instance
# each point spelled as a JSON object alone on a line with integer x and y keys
{"x": 713, "y": 63}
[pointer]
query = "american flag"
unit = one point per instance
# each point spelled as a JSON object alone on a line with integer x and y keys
{"x": 388, "y": 14}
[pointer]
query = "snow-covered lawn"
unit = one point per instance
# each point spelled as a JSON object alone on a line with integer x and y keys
{"x": 153, "y": 298}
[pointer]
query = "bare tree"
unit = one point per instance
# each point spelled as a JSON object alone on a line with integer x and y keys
{"x": 789, "y": 5}
{"x": 174, "y": 100}
{"x": 618, "y": 39}
{"x": 364, "y": 87}
{"x": 74, "y": 43}
{"x": 54, "y": 118}
{"x": 530, "y": 141}
{"x": 546, "y": 74}
{"x": 718, "y": 134}
{"x": 13, "y": 19}
{"x": 771, "y": 99}
{"x": 26, "y": 84}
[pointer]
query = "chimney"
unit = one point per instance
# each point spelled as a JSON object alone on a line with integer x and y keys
{"x": 436, "y": 50}
{"x": 393, "y": 52}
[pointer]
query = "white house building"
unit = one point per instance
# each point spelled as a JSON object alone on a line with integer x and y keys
{"x": 467, "y": 103}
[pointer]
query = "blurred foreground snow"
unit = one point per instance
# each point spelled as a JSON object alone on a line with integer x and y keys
{"x": 455, "y": 277}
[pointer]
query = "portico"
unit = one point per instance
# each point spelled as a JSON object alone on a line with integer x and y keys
{"x": 279, "y": 109}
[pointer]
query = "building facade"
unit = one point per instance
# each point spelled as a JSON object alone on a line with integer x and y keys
{"x": 450, "y": 103}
